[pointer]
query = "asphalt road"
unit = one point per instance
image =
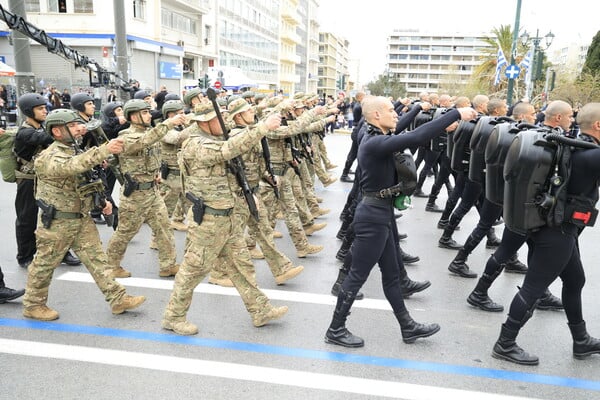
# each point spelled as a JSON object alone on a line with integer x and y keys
{"x": 89, "y": 353}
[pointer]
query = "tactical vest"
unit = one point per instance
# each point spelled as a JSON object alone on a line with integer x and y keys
{"x": 478, "y": 143}
{"x": 495, "y": 155}
{"x": 461, "y": 153}
{"x": 144, "y": 162}
{"x": 537, "y": 172}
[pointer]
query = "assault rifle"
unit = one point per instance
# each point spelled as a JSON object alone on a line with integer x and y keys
{"x": 236, "y": 164}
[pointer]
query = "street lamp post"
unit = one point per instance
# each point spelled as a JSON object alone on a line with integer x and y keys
{"x": 511, "y": 81}
{"x": 535, "y": 68}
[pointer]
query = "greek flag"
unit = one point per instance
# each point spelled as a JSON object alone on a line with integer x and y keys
{"x": 500, "y": 63}
{"x": 526, "y": 63}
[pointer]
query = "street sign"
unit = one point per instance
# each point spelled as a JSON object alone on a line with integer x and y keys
{"x": 217, "y": 85}
{"x": 512, "y": 71}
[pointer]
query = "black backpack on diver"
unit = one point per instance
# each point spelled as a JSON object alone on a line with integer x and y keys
{"x": 479, "y": 139}
{"x": 537, "y": 171}
{"x": 461, "y": 152}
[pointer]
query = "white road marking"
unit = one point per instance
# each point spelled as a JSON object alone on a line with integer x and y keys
{"x": 244, "y": 372}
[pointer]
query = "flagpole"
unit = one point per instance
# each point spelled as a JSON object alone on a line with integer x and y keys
{"x": 513, "y": 50}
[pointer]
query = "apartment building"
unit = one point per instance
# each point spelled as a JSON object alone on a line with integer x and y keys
{"x": 424, "y": 61}
{"x": 333, "y": 64}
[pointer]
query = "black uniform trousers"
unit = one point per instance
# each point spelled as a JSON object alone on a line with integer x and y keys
{"x": 431, "y": 157}
{"x": 352, "y": 153}
{"x": 470, "y": 196}
{"x": 26, "y": 222}
{"x": 375, "y": 243}
{"x": 511, "y": 242}
{"x": 553, "y": 253}
{"x": 488, "y": 214}
{"x": 442, "y": 178}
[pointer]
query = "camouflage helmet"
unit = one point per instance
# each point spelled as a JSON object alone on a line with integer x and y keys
{"x": 172, "y": 96}
{"x": 29, "y": 101}
{"x": 78, "y": 101}
{"x": 141, "y": 94}
{"x": 247, "y": 94}
{"x": 109, "y": 108}
{"x": 299, "y": 104}
{"x": 238, "y": 106}
{"x": 299, "y": 96}
{"x": 204, "y": 112}
{"x": 222, "y": 102}
{"x": 60, "y": 117}
{"x": 171, "y": 106}
{"x": 190, "y": 94}
{"x": 134, "y": 105}
{"x": 232, "y": 98}
{"x": 260, "y": 96}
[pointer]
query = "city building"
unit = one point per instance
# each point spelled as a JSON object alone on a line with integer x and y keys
{"x": 568, "y": 60}
{"x": 425, "y": 61}
{"x": 333, "y": 64}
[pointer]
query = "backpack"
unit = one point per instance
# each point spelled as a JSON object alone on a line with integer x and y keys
{"x": 8, "y": 158}
{"x": 537, "y": 171}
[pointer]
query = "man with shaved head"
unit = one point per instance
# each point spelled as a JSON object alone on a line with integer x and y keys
{"x": 374, "y": 216}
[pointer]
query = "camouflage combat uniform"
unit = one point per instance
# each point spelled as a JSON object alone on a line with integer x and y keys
{"x": 170, "y": 187}
{"x": 205, "y": 174}
{"x": 141, "y": 160}
{"x": 59, "y": 177}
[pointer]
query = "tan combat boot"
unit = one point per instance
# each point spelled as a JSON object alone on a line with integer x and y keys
{"x": 310, "y": 249}
{"x": 41, "y": 313}
{"x": 277, "y": 235}
{"x": 256, "y": 253}
{"x": 179, "y": 226}
{"x": 180, "y": 327}
{"x": 171, "y": 271}
{"x": 310, "y": 229}
{"x": 320, "y": 212}
{"x": 330, "y": 181}
{"x": 288, "y": 274}
{"x": 262, "y": 318}
{"x": 127, "y": 303}
{"x": 120, "y": 272}
{"x": 331, "y": 166}
{"x": 225, "y": 282}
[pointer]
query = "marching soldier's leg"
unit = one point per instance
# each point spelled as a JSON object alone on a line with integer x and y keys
{"x": 158, "y": 220}
{"x": 52, "y": 244}
{"x": 300, "y": 200}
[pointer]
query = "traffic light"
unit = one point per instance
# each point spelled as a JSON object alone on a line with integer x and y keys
{"x": 204, "y": 82}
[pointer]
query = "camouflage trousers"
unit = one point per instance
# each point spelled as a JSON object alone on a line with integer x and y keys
{"x": 81, "y": 235}
{"x": 174, "y": 198}
{"x": 262, "y": 231}
{"x": 216, "y": 236}
{"x": 304, "y": 191}
{"x": 143, "y": 206}
{"x": 287, "y": 203}
{"x": 320, "y": 147}
{"x": 318, "y": 167}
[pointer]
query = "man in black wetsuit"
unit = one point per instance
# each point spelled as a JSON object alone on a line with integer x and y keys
{"x": 374, "y": 242}
{"x": 554, "y": 251}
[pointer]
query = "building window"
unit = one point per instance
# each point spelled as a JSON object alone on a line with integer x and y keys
{"x": 32, "y": 6}
{"x": 207, "y": 34}
{"x": 139, "y": 9}
{"x": 81, "y": 6}
{"x": 57, "y": 6}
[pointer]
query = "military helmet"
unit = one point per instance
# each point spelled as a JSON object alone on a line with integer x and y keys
{"x": 204, "y": 112}
{"x": 247, "y": 94}
{"x": 260, "y": 96}
{"x": 29, "y": 101}
{"x": 78, "y": 101}
{"x": 237, "y": 106}
{"x": 233, "y": 98}
{"x": 172, "y": 96}
{"x": 299, "y": 104}
{"x": 171, "y": 106}
{"x": 190, "y": 94}
{"x": 141, "y": 94}
{"x": 60, "y": 117}
{"x": 222, "y": 102}
{"x": 134, "y": 105}
{"x": 109, "y": 108}
{"x": 299, "y": 96}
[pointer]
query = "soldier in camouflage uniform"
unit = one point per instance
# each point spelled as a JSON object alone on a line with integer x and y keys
{"x": 65, "y": 195}
{"x": 140, "y": 200}
{"x": 203, "y": 162}
{"x": 242, "y": 115}
{"x": 170, "y": 187}
{"x": 284, "y": 168}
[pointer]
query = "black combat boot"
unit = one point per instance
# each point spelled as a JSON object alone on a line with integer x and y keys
{"x": 343, "y": 251}
{"x": 583, "y": 344}
{"x": 432, "y": 207}
{"x": 337, "y": 286}
{"x": 71, "y": 259}
{"x": 515, "y": 266}
{"x": 492, "y": 240}
{"x": 343, "y": 229}
{"x": 506, "y": 348}
{"x": 548, "y": 301}
{"x": 446, "y": 241}
{"x": 346, "y": 178}
{"x": 419, "y": 193}
{"x": 408, "y": 258}
{"x": 410, "y": 287}
{"x": 412, "y": 330}
{"x": 459, "y": 265}
{"x": 337, "y": 332}
{"x": 479, "y": 296}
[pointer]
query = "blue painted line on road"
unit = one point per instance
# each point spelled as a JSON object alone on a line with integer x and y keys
{"x": 308, "y": 354}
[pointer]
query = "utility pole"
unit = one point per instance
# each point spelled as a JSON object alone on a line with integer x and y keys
{"x": 120, "y": 41}
{"x": 513, "y": 50}
{"x": 24, "y": 77}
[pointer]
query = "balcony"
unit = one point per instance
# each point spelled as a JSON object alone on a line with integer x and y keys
{"x": 194, "y": 6}
{"x": 290, "y": 36}
{"x": 289, "y": 14}
{"x": 293, "y": 78}
{"x": 290, "y": 57}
